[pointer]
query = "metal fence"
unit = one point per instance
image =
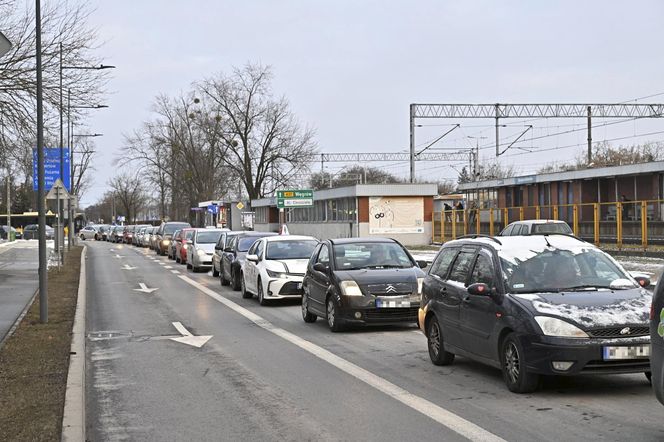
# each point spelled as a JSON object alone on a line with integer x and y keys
{"x": 632, "y": 224}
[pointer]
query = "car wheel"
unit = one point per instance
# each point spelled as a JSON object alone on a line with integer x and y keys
{"x": 177, "y": 259}
{"x": 306, "y": 315}
{"x": 648, "y": 376}
{"x": 436, "y": 344}
{"x": 82, "y": 237}
{"x": 196, "y": 269}
{"x": 261, "y": 294}
{"x": 243, "y": 288}
{"x": 96, "y": 237}
{"x": 513, "y": 364}
{"x": 215, "y": 272}
{"x": 236, "y": 280}
{"x": 189, "y": 266}
{"x": 222, "y": 278}
{"x": 333, "y": 315}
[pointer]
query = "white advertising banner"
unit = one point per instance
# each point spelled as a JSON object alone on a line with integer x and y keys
{"x": 396, "y": 215}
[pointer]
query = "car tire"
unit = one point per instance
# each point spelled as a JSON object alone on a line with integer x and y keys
{"x": 513, "y": 365}
{"x": 235, "y": 281}
{"x": 332, "y": 315}
{"x": 261, "y": 295}
{"x": 648, "y": 376}
{"x": 307, "y": 316}
{"x": 177, "y": 259}
{"x": 82, "y": 237}
{"x": 189, "y": 266}
{"x": 245, "y": 294}
{"x": 222, "y": 278}
{"x": 215, "y": 272}
{"x": 196, "y": 269}
{"x": 436, "y": 345}
{"x": 96, "y": 237}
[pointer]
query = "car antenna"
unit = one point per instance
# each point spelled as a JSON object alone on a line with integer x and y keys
{"x": 547, "y": 240}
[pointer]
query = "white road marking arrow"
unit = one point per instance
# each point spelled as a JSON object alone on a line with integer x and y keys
{"x": 188, "y": 338}
{"x": 128, "y": 267}
{"x": 144, "y": 288}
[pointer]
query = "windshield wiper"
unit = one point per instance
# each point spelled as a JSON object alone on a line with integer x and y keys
{"x": 584, "y": 286}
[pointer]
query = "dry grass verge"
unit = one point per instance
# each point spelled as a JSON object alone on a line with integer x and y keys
{"x": 35, "y": 360}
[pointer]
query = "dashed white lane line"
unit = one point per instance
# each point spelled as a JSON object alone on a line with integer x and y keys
{"x": 177, "y": 272}
{"x": 444, "y": 417}
{"x": 162, "y": 263}
{"x": 168, "y": 267}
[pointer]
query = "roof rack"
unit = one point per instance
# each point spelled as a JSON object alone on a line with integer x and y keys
{"x": 479, "y": 235}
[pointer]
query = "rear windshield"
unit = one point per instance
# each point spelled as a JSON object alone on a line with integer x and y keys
{"x": 208, "y": 237}
{"x": 246, "y": 242}
{"x": 169, "y": 229}
{"x": 552, "y": 228}
{"x": 296, "y": 249}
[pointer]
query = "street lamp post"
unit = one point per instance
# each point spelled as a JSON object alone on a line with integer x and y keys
{"x": 62, "y": 160}
{"x": 41, "y": 206}
{"x": 70, "y": 141}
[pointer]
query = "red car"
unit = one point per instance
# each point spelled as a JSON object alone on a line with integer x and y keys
{"x": 181, "y": 246}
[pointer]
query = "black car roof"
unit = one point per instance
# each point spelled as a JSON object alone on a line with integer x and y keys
{"x": 253, "y": 233}
{"x": 361, "y": 240}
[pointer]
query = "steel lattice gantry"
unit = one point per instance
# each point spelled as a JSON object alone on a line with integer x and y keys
{"x": 387, "y": 157}
{"x": 545, "y": 110}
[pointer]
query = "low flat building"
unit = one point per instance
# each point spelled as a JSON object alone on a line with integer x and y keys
{"x": 399, "y": 211}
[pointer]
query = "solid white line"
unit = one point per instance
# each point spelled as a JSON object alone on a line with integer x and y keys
{"x": 180, "y": 328}
{"x": 444, "y": 417}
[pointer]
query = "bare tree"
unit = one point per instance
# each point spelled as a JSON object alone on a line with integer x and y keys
{"x": 261, "y": 140}
{"x": 604, "y": 155}
{"x": 130, "y": 193}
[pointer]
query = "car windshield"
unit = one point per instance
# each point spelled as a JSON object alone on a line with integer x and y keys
{"x": 552, "y": 228}
{"x": 556, "y": 270}
{"x": 188, "y": 234}
{"x": 295, "y": 249}
{"x": 245, "y": 243}
{"x": 169, "y": 229}
{"x": 375, "y": 255}
{"x": 208, "y": 237}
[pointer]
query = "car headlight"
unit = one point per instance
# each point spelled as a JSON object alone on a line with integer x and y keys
{"x": 201, "y": 252}
{"x": 166, "y": 242}
{"x": 557, "y": 327}
{"x": 273, "y": 274}
{"x": 350, "y": 288}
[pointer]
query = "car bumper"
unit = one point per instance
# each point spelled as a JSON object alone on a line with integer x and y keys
{"x": 202, "y": 261}
{"x": 586, "y": 355}
{"x": 284, "y": 288}
{"x": 365, "y": 311}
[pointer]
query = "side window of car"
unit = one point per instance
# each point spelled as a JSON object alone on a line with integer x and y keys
{"x": 483, "y": 270}
{"x": 252, "y": 249}
{"x": 461, "y": 266}
{"x": 324, "y": 255}
{"x": 259, "y": 248}
{"x": 442, "y": 262}
{"x": 508, "y": 231}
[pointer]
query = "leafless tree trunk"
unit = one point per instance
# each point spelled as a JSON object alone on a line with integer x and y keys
{"x": 130, "y": 193}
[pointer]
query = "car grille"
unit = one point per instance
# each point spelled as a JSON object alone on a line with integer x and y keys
{"x": 615, "y": 332}
{"x": 396, "y": 289}
{"x": 290, "y": 288}
{"x": 617, "y": 366}
{"x": 391, "y": 314}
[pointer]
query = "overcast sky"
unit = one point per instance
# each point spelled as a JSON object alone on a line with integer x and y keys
{"x": 351, "y": 68}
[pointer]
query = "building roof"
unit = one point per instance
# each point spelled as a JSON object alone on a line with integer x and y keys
{"x": 584, "y": 174}
{"x": 398, "y": 189}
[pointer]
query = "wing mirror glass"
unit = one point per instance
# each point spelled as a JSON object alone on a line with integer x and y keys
{"x": 320, "y": 267}
{"x": 252, "y": 258}
{"x": 480, "y": 289}
{"x": 643, "y": 281}
{"x": 422, "y": 264}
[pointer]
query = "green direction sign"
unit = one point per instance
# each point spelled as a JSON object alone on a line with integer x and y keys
{"x": 287, "y": 199}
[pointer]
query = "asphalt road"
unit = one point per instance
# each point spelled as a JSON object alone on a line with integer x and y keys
{"x": 19, "y": 264}
{"x": 266, "y": 375}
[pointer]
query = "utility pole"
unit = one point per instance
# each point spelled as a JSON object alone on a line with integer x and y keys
{"x": 59, "y": 238}
{"x": 9, "y": 208}
{"x": 590, "y": 136}
{"x": 43, "y": 275}
{"x": 412, "y": 143}
{"x": 70, "y": 142}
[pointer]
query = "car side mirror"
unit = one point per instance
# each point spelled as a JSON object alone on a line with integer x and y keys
{"x": 320, "y": 267}
{"x": 189, "y": 241}
{"x": 479, "y": 289}
{"x": 252, "y": 258}
{"x": 643, "y": 281}
{"x": 422, "y": 264}
{"x": 228, "y": 249}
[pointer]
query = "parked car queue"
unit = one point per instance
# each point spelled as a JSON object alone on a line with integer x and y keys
{"x": 531, "y": 305}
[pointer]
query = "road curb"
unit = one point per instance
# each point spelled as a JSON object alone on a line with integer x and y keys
{"x": 73, "y": 419}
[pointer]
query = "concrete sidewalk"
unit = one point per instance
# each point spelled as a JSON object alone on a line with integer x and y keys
{"x": 19, "y": 281}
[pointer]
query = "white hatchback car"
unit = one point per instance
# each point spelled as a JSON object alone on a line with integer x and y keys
{"x": 89, "y": 232}
{"x": 201, "y": 248}
{"x": 275, "y": 266}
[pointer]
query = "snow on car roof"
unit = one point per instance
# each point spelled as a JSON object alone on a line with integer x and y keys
{"x": 539, "y": 221}
{"x": 290, "y": 238}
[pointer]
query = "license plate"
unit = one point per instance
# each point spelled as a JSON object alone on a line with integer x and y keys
{"x": 625, "y": 352}
{"x": 392, "y": 302}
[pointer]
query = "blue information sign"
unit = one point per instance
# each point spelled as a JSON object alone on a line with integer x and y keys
{"x": 51, "y": 168}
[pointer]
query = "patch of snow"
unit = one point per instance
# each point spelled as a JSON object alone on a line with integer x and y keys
{"x": 626, "y": 311}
